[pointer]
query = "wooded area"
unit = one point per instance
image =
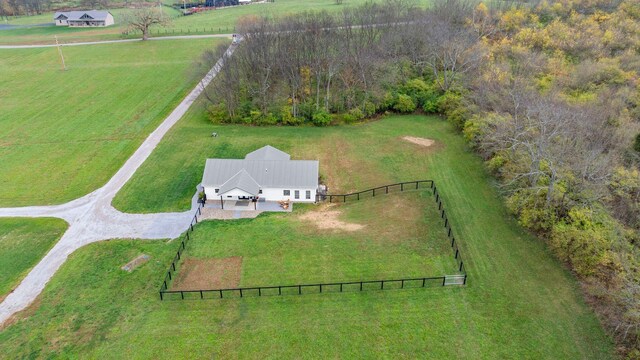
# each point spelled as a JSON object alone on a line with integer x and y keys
{"x": 547, "y": 93}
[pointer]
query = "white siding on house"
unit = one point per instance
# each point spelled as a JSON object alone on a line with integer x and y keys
{"x": 267, "y": 194}
{"x": 278, "y": 195}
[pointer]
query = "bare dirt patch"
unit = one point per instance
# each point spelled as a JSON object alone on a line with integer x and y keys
{"x": 203, "y": 274}
{"x": 326, "y": 218}
{"x": 424, "y": 142}
{"x": 139, "y": 260}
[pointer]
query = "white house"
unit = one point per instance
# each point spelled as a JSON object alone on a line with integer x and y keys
{"x": 266, "y": 174}
{"x": 87, "y": 18}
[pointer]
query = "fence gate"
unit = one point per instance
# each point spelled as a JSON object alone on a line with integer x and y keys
{"x": 455, "y": 279}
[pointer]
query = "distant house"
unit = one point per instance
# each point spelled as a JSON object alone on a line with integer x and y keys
{"x": 266, "y": 174}
{"x": 88, "y": 18}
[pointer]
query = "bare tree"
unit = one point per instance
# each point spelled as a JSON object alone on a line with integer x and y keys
{"x": 143, "y": 18}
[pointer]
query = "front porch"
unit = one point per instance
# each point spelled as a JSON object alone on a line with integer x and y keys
{"x": 246, "y": 205}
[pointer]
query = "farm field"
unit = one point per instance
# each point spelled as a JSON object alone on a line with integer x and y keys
{"x": 23, "y": 242}
{"x": 519, "y": 302}
{"x": 64, "y": 133}
{"x": 221, "y": 21}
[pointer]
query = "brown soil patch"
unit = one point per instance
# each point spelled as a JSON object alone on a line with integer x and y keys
{"x": 204, "y": 274}
{"x": 135, "y": 263}
{"x": 419, "y": 141}
{"x": 22, "y": 314}
{"x": 327, "y": 219}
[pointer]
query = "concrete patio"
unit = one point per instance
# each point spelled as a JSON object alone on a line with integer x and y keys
{"x": 245, "y": 205}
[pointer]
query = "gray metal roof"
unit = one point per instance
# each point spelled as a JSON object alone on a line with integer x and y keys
{"x": 243, "y": 181}
{"x": 268, "y": 153}
{"x": 267, "y": 173}
{"x": 77, "y": 15}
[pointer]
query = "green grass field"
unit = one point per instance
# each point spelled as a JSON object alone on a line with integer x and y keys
{"x": 401, "y": 237}
{"x": 23, "y": 242}
{"x": 64, "y": 133}
{"x": 221, "y": 21}
{"x": 519, "y": 302}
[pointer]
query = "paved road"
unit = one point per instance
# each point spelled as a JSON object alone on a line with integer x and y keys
{"x": 117, "y": 41}
{"x": 91, "y": 218}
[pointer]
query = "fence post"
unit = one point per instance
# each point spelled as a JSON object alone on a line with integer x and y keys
{"x": 449, "y": 234}
{"x": 360, "y": 285}
{"x": 382, "y": 285}
{"x": 402, "y": 284}
{"x": 437, "y": 198}
{"x": 461, "y": 265}
{"x": 161, "y": 296}
{"x": 453, "y": 240}
{"x": 259, "y": 291}
{"x": 358, "y": 196}
{"x": 401, "y": 187}
{"x": 442, "y": 214}
{"x": 439, "y": 205}
{"x": 279, "y": 290}
{"x": 386, "y": 189}
{"x": 240, "y": 292}
{"x": 340, "y": 287}
{"x": 182, "y": 295}
{"x": 220, "y": 294}
{"x": 320, "y": 288}
{"x": 444, "y": 279}
{"x": 464, "y": 282}
{"x": 344, "y": 198}
{"x": 417, "y": 183}
{"x": 169, "y": 272}
{"x": 424, "y": 280}
{"x": 201, "y": 296}
{"x": 188, "y": 234}
{"x": 374, "y": 192}
{"x": 446, "y": 222}
{"x": 457, "y": 251}
{"x": 173, "y": 264}
{"x": 299, "y": 289}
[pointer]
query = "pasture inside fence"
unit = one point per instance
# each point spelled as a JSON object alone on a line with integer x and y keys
{"x": 459, "y": 278}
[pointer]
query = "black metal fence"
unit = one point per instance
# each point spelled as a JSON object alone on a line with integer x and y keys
{"x": 174, "y": 263}
{"x": 336, "y": 287}
{"x": 384, "y": 189}
{"x": 457, "y": 279}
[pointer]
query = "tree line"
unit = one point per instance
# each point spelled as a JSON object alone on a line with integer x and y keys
{"x": 547, "y": 93}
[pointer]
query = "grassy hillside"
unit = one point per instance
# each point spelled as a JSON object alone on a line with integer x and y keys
{"x": 519, "y": 302}
{"x": 64, "y": 133}
{"x": 23, "y": 242}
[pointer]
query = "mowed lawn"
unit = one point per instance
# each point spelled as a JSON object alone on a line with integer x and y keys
{"x": 518, "y": 303}
{"x": 64, "y": 133}
{"x": 23, "y": 242}
{"x": 393, "y": 236}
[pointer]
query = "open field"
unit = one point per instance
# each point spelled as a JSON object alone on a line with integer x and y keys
{"x": 395, "y": 236}
{"x": 519, "y": 302}
{"x": 64, "y": 133}
{"x": 23, "y": 242}
{"x": 221, "y": 21}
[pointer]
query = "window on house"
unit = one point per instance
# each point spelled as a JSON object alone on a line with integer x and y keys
{"x": 297, "y": 194}
{"x": 307, "y": 194}
{"x": 286, "y": 192}
{"x": 229, "y": 196}
{"x": 260, "y": 191}
{"x": 217, "y": 190}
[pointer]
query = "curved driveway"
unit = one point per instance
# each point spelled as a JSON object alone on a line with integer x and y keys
{"x": 91, "y": 218}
